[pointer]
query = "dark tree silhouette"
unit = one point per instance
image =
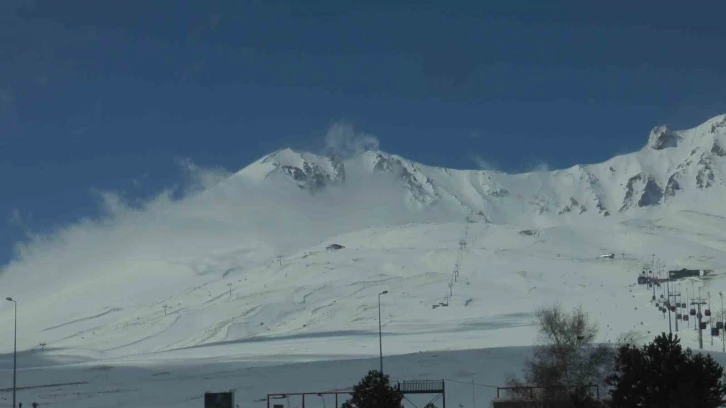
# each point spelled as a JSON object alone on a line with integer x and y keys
{"x": 662, "y": 374}
{"x": 374, "y": 391}
{"x": 566, "y": 362}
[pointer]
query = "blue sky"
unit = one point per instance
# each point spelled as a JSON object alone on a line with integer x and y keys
{"x": 99, "y": 96}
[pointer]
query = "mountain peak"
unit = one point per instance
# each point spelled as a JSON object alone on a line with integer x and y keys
{"x": 674, "y": 167}
{"x": 662, "y": 137}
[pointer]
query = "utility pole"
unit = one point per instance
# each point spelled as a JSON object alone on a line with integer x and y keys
{"x": 723, "y": 329}
{"x": 15, "y": 348}
{"x": 229, "y": 285}
{"x": 165, "y": 307}
{"x": 687, "y": 297}
{"x": 711, "y": 318}
{"x": 668, "y": 305}
{"x": 279, "y": 259}
{"x": 380, "y": 332}
{"x": 473, "y": 396}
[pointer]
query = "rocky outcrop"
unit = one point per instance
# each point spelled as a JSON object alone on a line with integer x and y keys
{"x": 574, "y": 205}
{"x": 662, "y": 137}
{"x": 642, "y": 191}
{"x": 419, "y": 186}
{"x": 312, "y": 177}
{"x": 705, "y": 176}
{"x": 718, "y": 150}
{"x": 672, "y": 186}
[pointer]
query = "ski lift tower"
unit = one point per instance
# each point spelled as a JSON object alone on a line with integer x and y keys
{"x": 698, "y": 302}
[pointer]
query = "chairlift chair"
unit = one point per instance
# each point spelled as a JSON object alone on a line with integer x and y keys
{"x": 704, "y": 325}
{"x": 679, "y": 316}
{"x": 673, "y": 308}
{"x": 692, "y": 312}
{"x": 714, "y": 331}
{"x": 719, "y": 325}
{"x": 685, "y": 317}
{"x": 699, "y": 315}
{"x": 708, "y": 312}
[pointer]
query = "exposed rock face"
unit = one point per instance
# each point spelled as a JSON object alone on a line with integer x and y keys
{"x": 662, "y": 137}
{"x": 421, "y": 188}
{"x": 673, "y": 164}
{"x": 672, "y": 186}
{"x": 705, "y": 177}
{"x": 574, "y": 205}
{"x": 641, "y": 190}
{"x": 718, "y": 150}
{"x": 312, "y": 177}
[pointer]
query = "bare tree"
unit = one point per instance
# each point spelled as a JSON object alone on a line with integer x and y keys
{"x": 566, "y": 363}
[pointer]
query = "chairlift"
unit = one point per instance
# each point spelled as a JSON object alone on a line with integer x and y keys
{"x": 692, "y": 312}
{"x": 719, "y": 325}
{"x": 685, "y": 317}
{"x": 714, "y": 331}
{"x": 704, "y": 325}
{"x": 679, "y": 316}
{"x": 699, "y": 315}
{"x": 661, "y": 296}
{"x": 673, "y": 308}
{"x": 708, "y": 312}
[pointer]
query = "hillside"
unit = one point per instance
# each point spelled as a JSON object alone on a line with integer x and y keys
{"x": 241, "y": 271}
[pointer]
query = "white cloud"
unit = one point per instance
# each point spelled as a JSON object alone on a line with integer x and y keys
{"x": 343, "y": 140}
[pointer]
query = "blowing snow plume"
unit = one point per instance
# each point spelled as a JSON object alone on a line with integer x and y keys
{"x": 169, "y": 238}
{"x": 343, "y": 140}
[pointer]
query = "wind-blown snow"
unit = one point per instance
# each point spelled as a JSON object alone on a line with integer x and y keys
{"x": 240, "y": 271}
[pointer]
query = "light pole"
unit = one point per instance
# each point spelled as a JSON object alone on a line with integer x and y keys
{"x": 721, "y": 318}
{"x": 380, "y": 333}
{"x": 15, "y": 347}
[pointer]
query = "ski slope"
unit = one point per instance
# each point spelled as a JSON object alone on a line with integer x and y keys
{"x": 317, "y": 304}
{"x": 237, "y": 278}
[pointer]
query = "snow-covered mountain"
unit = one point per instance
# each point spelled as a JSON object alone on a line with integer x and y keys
{"x": 672, "y": 168}
{"x": 242, "y": 273}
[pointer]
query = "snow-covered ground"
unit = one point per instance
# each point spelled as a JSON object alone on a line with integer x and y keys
{"x": 318, "y": 304}
{"x": 226, "y": 288}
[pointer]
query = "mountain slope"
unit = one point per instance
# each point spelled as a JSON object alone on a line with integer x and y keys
{"x": 669, "y": 170}
{"x": 308, "y": 300}
{"x": 242, "y": 268}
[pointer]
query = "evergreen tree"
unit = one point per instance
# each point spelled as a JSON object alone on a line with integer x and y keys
{"x": 662, "y": 374}
{"x": 374, "y": 391}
